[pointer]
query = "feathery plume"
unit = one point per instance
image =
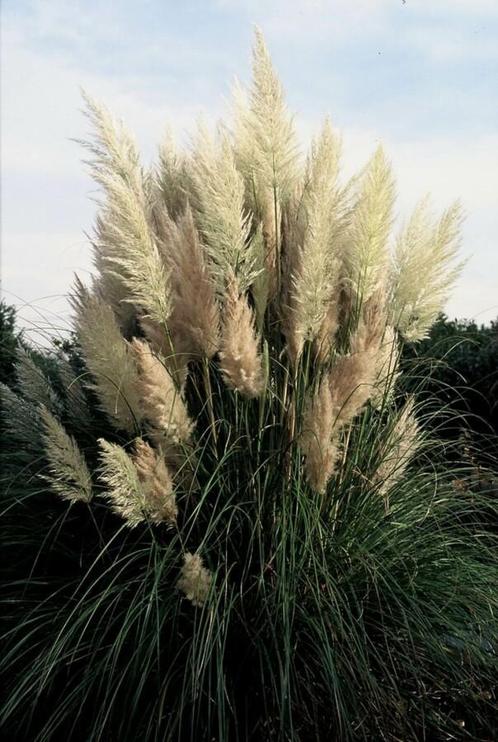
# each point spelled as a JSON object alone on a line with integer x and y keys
{"x": 372, "y": 322}
{"x": 21, "y": 420}
{"x": 161, "y": 343}
{"x": 341, "y": 396}
{"x": 33, "y": 384}
{"x": 240, "y": 359}
{"x": 173, "y": 177}
{"x": 156, "y": 481}
{"x": 352, "y": 378}
{"x": 386, "y": 368}
{"x": 139, "y": 487}
{"x": 195, "y": 580}
{"x": 318, "y": 441}
{"x": 266, "y": 142}
{"x": 314, "y": 292}
{"x": 124, "y": 244}
{"x": 69, "y": 476}
{"x": 293, "y": 235}
{"x": 161, "y": 402}
{"x": 124, "y": 491}
{"x": 366, "y": 253}
{"x": 194, "y": 321}
{"x": 261, "y": 288}
{"x": 267, "y": 154}
{"x": 268, "y": 212}
{"x": 325, "y": 337}
{"x": 351, "y": 383}
{"x": 222, "y": 215}
{"x": 424, "y": 269}
{"x": 397, "y": 451}
{"x": 108, "y": 359}
{"x": 108, "y": 283}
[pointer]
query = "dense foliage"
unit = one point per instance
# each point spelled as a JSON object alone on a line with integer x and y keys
{"x": 8, "y": 341}
{"x": 459, "y": 364}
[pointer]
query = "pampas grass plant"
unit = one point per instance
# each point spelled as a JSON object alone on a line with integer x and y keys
{"x": 223, "y": 518}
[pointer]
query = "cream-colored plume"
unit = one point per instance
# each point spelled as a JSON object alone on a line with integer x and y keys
{"x": 424, "y": 269}
{"x": 222, "y": 215}
{"x": 124, "y": 242}
{"x": 108, "y": 358}
{"x": 266, "y": 143}
{"x": 161, "y": 402}
{"x": 240, "y": 357}
{"x": 195, "y": 580}
{"x": 161, "y": 343}
{"x": 139, "y": 487}
{"x": 397, "y": 451}
{"x": 69, "y": 476}
{"x": 366, "y": 248}
{"x": 267, "y": 154}
{"x": 108, "y": 283}
{"x": 313, "y": 295}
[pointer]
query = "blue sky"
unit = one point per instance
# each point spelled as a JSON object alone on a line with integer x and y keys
{"x": 421, "y": 76}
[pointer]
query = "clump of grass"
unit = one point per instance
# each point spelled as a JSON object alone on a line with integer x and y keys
{"x": 261, "y": 542}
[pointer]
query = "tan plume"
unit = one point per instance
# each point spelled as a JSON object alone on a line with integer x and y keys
{"x": 342, "y": 395}
{"x": 138, "y": 487}
{"x": 195, "y": 580}
{"x": 194, "y": 323}
{"x": 318, "y": 440}
{"x": 160, "y": 399}
{"x": 240, "y": 357}
{"x": 156, "y": 481}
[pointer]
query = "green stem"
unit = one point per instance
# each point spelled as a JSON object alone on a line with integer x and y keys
{"x": 209, "y": 401}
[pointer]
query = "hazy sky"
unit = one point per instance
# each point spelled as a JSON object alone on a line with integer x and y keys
{"x": 421, "y": 76}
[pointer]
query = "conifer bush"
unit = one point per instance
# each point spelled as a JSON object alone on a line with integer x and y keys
{"x": 223, "y": 518}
